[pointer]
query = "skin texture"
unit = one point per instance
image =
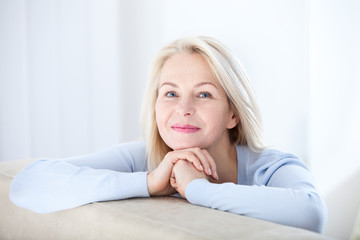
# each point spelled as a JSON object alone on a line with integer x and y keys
{"x": 193, "y": 117}
{"x": 182, "y": 174}
{"x": 159, "y": 179}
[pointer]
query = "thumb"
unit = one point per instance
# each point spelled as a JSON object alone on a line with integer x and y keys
{"x": 172, "y": 174}
{"x": 173, "y": 183}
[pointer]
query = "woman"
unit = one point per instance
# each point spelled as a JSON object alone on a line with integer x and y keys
{"x": 203, "y": 140}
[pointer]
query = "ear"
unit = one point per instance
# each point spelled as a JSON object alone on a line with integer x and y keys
{"x": 233, "y": 121}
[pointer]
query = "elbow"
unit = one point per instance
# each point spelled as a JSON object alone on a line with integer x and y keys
{"x": 19, "y": 194}
{"x": 317, "y": 214}
{"x": 23, "y": 189}
{"x": 14, "y": 193}
{"x": 25, "y": 198}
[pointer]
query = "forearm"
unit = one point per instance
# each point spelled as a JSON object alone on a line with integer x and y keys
{"x": 48, "y": 186}
{"x": 298, "y": 208}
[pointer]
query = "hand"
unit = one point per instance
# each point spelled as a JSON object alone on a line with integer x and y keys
{"x": 159, "y": 179}
{"x": 183, "y": 173}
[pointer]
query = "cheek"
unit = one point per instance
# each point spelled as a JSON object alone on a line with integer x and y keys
{"x": 217, "y": 115}
{"x": 160, "y": 114}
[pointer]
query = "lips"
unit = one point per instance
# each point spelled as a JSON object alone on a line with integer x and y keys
{"x": 185, "y": 128}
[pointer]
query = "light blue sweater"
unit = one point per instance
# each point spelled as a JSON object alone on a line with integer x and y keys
{"x": 272, "y": 185}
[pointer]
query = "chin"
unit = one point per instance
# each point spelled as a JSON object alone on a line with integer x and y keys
{"x": 179, "y": 146}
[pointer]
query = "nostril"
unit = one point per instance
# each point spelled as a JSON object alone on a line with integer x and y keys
{"x": 185, "y": 110}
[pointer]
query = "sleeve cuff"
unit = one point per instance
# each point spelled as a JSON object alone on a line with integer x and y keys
{"x": 135, "y": 185}
{"x": 141, "y": 184}
{"x": 200, "y": 192}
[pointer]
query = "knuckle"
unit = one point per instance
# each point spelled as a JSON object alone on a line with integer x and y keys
{"x": 170, "y": 153}
{"x": 190, "y": 157}
{"x": 180, "y": 162}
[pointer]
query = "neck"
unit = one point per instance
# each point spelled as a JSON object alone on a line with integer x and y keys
{"x": 225, "y": 156}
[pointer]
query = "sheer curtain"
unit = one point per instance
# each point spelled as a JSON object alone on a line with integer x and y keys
{"x": 60, "y": 84}
{"x": 75, "y": 71}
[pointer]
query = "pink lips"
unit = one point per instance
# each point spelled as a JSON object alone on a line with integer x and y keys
{"x": 185, "y": 128}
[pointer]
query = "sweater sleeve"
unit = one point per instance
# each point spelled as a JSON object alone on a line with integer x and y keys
{"x": 117, "y": 172}
{"x": 283, "y": 193}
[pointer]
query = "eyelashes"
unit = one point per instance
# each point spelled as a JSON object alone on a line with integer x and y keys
{"x": 205, "y": 95}
{"x": 170, "y": 94}
{"x": 173, "y": 94}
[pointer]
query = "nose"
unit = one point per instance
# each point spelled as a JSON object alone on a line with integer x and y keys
{"x": 186, "y": 107}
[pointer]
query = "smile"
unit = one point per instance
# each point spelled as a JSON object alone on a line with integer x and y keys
{"x": 185, "y": 128}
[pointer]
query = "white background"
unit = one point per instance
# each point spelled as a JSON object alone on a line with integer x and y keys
{"x": 72, "y": 76}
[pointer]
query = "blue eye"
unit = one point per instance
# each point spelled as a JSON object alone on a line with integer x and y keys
{"x": 205, "y": 95}
{"x": 171, "y": 94}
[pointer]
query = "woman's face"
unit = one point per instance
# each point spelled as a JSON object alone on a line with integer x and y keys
{"x": 192, "y": 109}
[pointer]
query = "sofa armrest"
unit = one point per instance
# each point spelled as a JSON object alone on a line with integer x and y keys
{"x": 137, "y": 218}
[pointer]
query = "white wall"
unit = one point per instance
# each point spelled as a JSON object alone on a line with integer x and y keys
{"x": 79, "y": 68}
{"x": 335, "y": 109}
{"x": 72, "y": 75}
{"x": 270, "y": 38}
{"x": 59, "y": 79}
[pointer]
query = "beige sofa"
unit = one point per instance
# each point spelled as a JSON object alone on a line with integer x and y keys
{"x": 139, "y": 218}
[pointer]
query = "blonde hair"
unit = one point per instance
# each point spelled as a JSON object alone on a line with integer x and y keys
{"x": 232, "y": 77}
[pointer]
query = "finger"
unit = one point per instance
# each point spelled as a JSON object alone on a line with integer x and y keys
{"x": 167, "y": 164}
{"x": 173, "y": 182}
{"x": 173, "y": 156}
{"x": 191, "y": 157}
{"x": 183, "y": 155}
{"x": 175, "y": 159}
{"x": 205, "y": 161}
{"x": 212, "y": 164}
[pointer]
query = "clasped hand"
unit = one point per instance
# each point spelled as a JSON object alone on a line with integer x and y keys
{"x": 178, "y": 169}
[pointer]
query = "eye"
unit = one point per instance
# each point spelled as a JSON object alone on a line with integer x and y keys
{"x": 170, "y": 94}
{"x": 204, "y": 95}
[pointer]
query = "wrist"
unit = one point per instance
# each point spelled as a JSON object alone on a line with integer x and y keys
{"x": 198, "y": 188}
{"x": 148, "y": 183}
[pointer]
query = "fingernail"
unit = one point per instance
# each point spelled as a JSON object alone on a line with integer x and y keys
{"x": 210, "y": 172}
{"x": 216, "y": 175}
{"x": 201, "y": 168}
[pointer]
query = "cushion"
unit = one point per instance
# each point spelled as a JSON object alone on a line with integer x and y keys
{"x": 356, "y": 231}
{"x": 137, "y": 218}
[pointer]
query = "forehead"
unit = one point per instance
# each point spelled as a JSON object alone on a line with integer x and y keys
{"x": 187, "y": 68}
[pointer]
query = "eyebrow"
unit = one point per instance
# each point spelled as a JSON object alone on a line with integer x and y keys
{"x": 197, "y": 85}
